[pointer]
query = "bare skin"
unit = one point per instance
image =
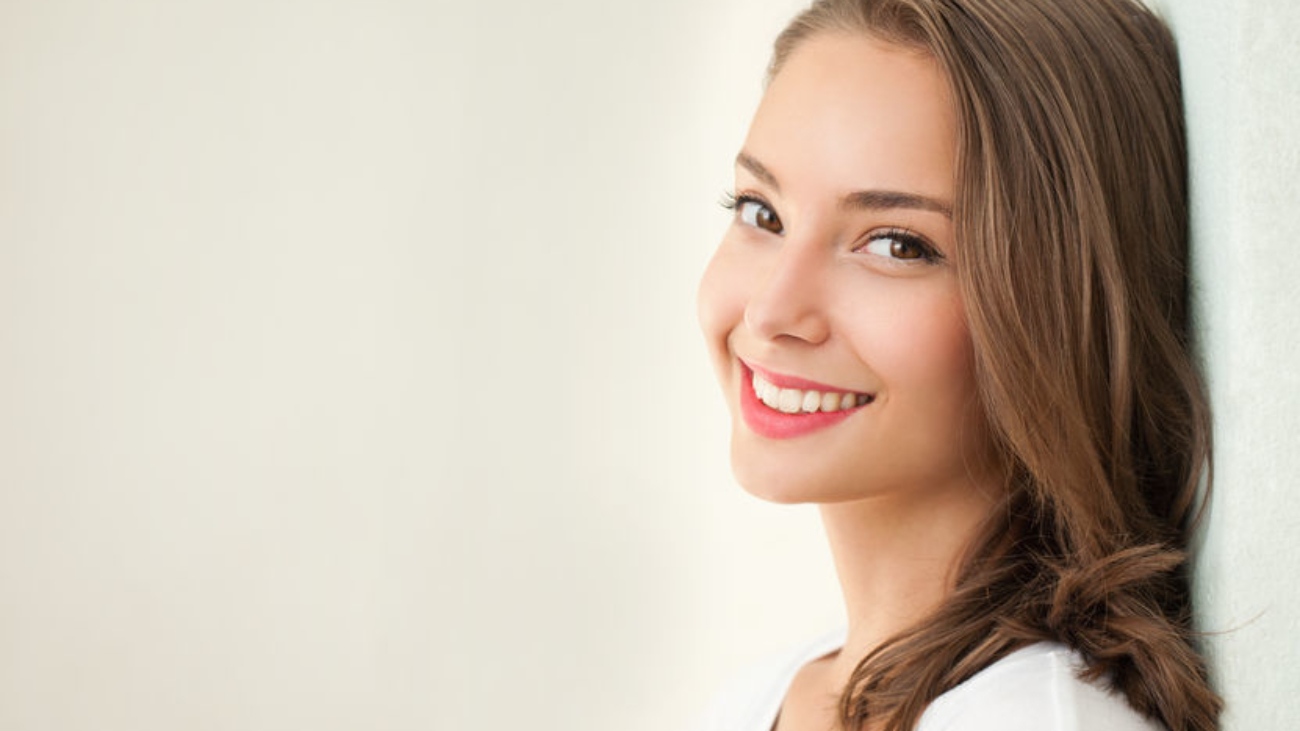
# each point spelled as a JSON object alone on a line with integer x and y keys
{"x": 808, "y": 705}
{"x": 891, "y": 572}
{"x": 811, "y": 285}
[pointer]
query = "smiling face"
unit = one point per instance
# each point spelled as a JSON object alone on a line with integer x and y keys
{"x": 836, "y": 286}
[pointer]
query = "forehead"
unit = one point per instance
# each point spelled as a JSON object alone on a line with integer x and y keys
{"x": 851, "y": 112}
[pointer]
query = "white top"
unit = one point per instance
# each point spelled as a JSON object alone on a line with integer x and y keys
{"x": 1033, "y": 689}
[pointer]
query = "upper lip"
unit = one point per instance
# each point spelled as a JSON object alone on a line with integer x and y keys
{"x": 781, "y": 380}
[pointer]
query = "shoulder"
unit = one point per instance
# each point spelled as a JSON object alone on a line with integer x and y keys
{"x": 1036, "y": 688}
{"x": 751, "y": 697}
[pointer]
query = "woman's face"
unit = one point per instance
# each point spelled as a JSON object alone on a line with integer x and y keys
{"x": 836, "y": 285}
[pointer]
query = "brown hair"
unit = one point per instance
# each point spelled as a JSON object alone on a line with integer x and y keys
{"x": 1071, "y": 220}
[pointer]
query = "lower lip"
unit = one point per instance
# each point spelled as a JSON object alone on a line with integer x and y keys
{"x": 773, "y": 424}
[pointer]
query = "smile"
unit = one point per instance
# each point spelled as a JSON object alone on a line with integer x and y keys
{"x": 786, "y": 411}
{"x": 795, "y": 401}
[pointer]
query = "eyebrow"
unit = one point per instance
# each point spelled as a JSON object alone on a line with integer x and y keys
{"x": 869, "y": 199}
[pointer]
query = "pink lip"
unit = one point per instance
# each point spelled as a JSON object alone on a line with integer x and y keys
{"x": 774, "y": 424}
{"x": 783, "y": 381}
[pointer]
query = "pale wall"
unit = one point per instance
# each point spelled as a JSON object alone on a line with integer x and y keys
{"x": 1242, "y": 85}
{"x": 349, "y": 374}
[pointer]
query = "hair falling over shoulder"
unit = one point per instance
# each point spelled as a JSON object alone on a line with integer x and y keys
{"x": 1071, "y": 218}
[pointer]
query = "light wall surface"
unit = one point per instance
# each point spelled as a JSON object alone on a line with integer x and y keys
{"x": 1242, "y": 96}
{"x": 349, "y": 373}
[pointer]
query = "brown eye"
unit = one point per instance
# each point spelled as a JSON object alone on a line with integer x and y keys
{"x": 755, "y": 213}
{"x": 904, "y": 250}
{"x": 900, "y": 246}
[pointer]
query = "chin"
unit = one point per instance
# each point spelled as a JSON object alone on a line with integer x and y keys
{"x": 779, "y": 494}
{"x": 776, "y": 483}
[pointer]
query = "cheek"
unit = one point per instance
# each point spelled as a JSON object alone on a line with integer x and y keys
{"x": 919, "y": 345}
{"x": 720, "y": 299}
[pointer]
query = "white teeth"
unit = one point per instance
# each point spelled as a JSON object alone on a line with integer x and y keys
{"x": 790, "y": 400}
{"x": 811, "y": 401}
{"x": 794, "y": 401}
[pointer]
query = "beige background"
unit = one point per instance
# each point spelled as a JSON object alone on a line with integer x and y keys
{"x": 349, "y": 375}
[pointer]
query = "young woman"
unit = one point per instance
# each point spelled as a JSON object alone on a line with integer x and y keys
{"x": 951, "y": 310}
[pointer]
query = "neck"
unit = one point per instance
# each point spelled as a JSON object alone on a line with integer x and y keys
{"x": 896, "y": 561}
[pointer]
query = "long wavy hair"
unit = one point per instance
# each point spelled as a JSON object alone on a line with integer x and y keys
{"x": 1071, "y": 221}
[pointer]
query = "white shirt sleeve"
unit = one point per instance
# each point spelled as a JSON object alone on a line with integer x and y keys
{"x": 1034, "y": 689}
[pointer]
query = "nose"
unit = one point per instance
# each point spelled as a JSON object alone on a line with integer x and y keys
{"x": 789, "y": 303}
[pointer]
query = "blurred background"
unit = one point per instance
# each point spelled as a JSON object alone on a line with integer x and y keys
{"x": 349, "y": 373}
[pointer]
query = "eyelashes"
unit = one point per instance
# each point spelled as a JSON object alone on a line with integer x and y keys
{"x": 900, "y": 246}
{"x": 754, "y": 212}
